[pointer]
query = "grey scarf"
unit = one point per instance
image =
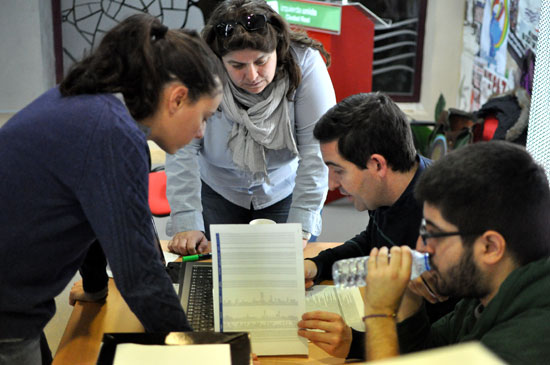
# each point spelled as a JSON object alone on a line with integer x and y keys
{"x": 263, "y": 124}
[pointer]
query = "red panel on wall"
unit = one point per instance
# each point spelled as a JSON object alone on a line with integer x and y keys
{"x": 351, "y": 58}
{"x": 351, "y": 52}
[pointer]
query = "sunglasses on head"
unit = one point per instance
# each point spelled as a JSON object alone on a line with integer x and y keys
{"x": 251, "y": 23}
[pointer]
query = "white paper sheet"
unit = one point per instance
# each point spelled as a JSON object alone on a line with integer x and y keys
{"x": 134, "y": 354}
{"x": 258, "y": 278}
{"x": 347, "y": 302}
{"x": 169, "y": 256}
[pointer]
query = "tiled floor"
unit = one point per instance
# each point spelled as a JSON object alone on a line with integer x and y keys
{"x": 340, "y": 222}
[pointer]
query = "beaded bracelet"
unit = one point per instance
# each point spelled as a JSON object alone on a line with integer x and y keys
{"x": 393, "y": 315}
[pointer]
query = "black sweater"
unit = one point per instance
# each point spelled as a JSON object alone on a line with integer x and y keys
{"x": 394, "y": 225}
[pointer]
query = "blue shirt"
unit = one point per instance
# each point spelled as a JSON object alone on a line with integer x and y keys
{"x": 306, "y": 178}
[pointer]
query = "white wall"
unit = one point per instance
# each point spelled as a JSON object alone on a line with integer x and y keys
{"x": 26, "y": 57}
{"x": 441, "y": 63}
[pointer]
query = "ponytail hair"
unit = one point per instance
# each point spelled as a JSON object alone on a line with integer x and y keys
{"x": 138, "y": 57}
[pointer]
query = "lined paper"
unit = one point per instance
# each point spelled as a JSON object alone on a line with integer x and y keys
{"x": 258, "y": 277}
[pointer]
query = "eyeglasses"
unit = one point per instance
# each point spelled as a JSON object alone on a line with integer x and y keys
{"x": 425, "y": 234}
{"x": 251, "y": 23}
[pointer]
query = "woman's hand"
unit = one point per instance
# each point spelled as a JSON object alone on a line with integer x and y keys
{"x": 188, "y": 243}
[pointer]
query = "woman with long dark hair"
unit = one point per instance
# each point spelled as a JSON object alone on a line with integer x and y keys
{"x": 74, "y": 169}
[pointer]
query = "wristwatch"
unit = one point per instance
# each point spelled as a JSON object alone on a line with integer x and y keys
{"x": 306, "y": 235}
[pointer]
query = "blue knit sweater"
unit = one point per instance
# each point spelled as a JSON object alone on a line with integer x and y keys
{"x": 74, "y": 170}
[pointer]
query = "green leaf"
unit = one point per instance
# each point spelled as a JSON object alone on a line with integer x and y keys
{"x": 439, "y": 107}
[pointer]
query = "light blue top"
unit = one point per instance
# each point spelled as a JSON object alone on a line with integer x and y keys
{"x": 306, "y": 178}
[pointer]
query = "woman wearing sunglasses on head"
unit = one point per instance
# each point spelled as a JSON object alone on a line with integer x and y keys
{"x": 75, "y": 171}
{"x": 258, "y": 157}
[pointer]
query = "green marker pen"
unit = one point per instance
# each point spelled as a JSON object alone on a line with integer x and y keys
{"x": 198, "y": 257}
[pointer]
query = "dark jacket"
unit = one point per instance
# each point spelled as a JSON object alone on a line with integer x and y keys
{"x": 515, "y": 325}
{"x": 394, "y": 225}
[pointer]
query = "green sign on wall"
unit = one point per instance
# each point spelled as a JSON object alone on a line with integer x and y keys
{"x": 320, "y": 16}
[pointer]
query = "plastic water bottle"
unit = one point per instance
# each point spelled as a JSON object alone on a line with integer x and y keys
{"x": 349, "y": 273}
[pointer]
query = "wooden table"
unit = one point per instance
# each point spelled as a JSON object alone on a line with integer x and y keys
{"x": 82, "y": 338}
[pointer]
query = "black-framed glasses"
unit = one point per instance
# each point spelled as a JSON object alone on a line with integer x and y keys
{"x": 426, "y": 235}
{"x": 251, "y": 23}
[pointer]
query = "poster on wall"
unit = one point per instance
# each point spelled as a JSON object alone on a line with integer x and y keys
{"x": 524, "y": 27}
{"x": 497, "y": 36}
{"x": 494, "y": 35}
{"x": 486, "y": 83}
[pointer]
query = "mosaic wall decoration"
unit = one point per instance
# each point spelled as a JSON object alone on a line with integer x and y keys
{"x": 84, "y": 22}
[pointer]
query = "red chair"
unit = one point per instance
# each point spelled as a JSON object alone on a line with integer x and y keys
{"x": 158, "y": 203}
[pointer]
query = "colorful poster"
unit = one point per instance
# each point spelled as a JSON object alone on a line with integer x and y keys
{"x": 486, "y": 83}
{"x": 500, "y": 29}
{"x": 524, "y": 27}
{"x": 528, "y": 23}
{"x": 494, "y": 35}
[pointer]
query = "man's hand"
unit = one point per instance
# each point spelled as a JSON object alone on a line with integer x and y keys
{"x": 387, "y": 279}
{"x": 78, "y": 294}
{"x": 424, "y": 286}
{"x": 188, "y": 243}
{"x": 336, "y": 336}
{"x": 386, "y": 284}
{"x": 310, "y": 271}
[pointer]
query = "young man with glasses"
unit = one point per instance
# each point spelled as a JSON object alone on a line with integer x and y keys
{"x": 367, "y": 144}
{"x": 487, "y": 212}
